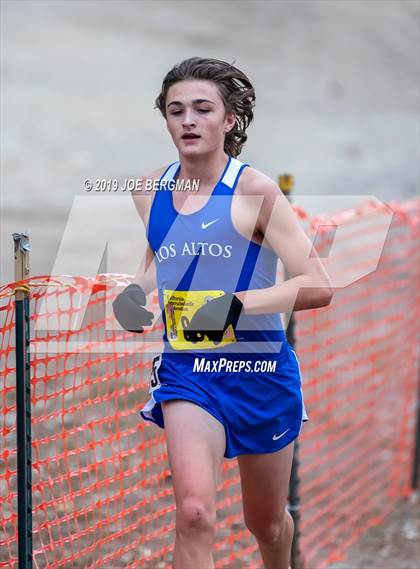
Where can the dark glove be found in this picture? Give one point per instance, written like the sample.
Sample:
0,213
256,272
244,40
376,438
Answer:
129,309
213,318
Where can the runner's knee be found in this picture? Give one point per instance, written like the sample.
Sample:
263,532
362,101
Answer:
193,514
270,531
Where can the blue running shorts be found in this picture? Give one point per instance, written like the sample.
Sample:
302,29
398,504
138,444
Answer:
261,411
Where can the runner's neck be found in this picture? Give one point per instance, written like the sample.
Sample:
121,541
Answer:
207,169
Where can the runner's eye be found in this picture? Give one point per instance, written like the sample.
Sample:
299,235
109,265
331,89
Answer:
203,110
175,113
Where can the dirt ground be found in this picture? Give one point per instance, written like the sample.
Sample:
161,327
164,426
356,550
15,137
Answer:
394,545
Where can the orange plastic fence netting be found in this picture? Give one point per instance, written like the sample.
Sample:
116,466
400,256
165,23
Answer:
102,494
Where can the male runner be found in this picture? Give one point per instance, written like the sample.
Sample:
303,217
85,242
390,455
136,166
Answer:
213,256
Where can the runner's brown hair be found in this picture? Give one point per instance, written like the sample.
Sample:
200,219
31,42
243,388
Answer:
235,88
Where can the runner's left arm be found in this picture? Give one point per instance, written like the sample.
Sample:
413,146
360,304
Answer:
309,285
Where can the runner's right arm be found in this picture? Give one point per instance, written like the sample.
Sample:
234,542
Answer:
146,273
130,305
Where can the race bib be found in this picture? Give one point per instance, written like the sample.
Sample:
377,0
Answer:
180,307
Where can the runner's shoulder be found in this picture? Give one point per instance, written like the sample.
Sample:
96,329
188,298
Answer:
253,182
143,199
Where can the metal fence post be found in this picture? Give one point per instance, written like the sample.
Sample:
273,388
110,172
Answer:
416,457
286,183
23,402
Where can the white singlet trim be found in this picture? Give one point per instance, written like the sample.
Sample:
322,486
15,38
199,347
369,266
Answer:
231,173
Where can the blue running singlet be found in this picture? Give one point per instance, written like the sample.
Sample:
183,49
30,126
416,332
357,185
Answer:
251,382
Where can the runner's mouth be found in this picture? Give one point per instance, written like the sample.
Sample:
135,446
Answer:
190,136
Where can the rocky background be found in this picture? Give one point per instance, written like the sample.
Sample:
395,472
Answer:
337,86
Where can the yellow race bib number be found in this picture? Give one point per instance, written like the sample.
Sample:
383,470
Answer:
180,307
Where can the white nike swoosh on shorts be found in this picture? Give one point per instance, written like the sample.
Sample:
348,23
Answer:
276,437
205,225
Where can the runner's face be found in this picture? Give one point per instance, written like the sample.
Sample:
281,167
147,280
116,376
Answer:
195,107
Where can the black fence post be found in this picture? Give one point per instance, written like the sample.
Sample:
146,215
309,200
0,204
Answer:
286,183
416,457
23,402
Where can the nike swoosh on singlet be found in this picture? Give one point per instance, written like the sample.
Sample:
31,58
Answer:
205,225
276,437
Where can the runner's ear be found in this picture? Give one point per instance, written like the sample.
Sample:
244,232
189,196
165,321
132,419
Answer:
230,119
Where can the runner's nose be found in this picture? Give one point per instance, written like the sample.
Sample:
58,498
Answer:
189,119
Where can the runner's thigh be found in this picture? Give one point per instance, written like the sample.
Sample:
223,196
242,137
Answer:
265,485
196,445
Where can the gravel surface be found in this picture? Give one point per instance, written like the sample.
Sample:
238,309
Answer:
394,545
